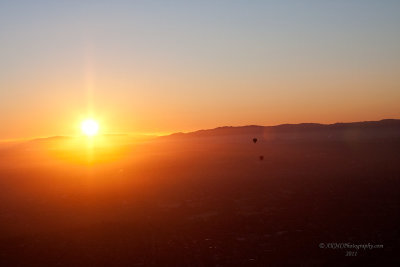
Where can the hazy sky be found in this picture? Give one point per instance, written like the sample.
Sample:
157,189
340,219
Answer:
166,66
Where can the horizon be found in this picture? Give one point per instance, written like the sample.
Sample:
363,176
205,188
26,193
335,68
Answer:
156,135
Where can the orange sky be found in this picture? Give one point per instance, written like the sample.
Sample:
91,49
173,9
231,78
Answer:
156,68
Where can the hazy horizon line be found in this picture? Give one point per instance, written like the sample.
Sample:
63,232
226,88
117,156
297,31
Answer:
141,134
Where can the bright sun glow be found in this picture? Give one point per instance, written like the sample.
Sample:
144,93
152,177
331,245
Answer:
90,127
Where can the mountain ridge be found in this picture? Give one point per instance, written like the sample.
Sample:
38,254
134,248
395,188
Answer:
384,124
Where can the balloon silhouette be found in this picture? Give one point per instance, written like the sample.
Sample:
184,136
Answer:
255,140
261,157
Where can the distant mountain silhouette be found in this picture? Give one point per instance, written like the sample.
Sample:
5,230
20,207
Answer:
366,129
373,129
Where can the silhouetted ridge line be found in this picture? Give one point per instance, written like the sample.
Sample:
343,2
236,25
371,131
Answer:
256,130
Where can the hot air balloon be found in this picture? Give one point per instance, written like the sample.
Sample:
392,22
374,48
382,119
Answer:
255,140
261,157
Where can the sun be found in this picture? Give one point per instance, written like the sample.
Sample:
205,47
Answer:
90,127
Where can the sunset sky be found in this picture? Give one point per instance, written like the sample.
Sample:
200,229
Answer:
169,66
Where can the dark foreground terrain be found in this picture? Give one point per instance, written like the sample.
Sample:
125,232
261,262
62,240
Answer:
207,199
